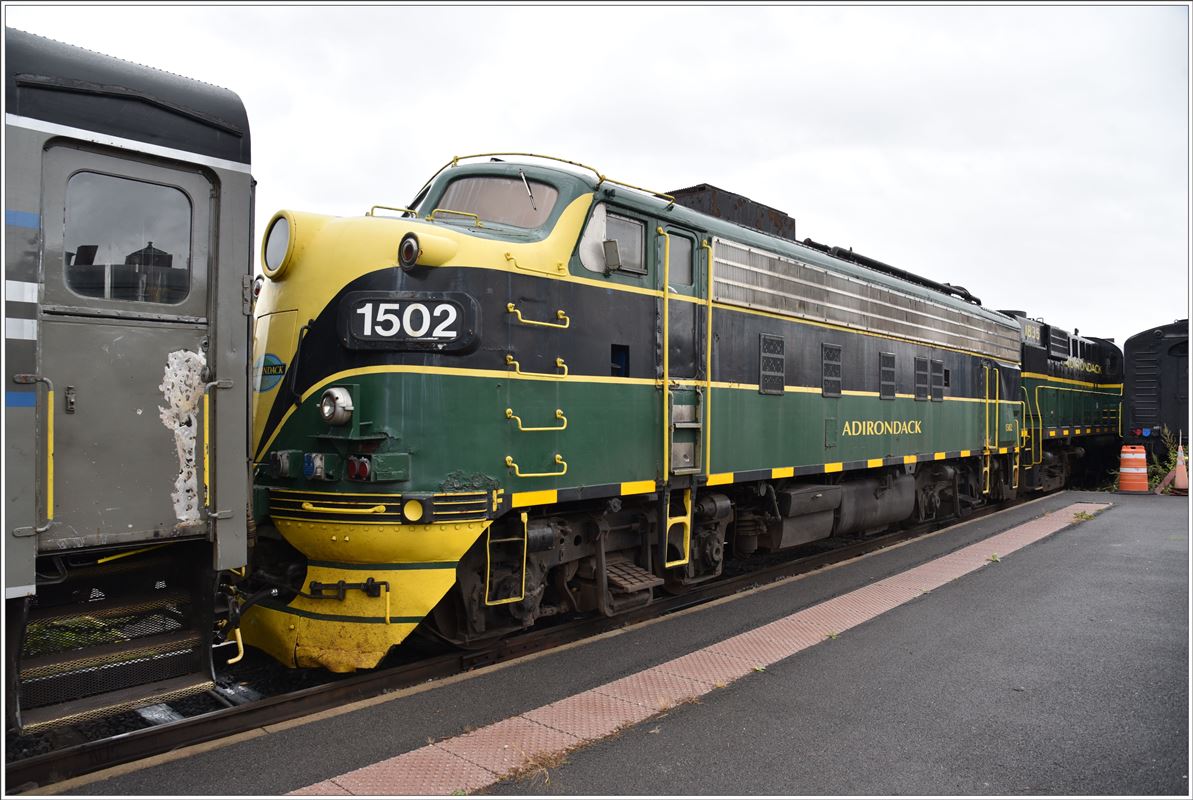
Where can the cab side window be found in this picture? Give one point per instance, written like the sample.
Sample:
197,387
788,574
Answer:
126,239
629,234
681,261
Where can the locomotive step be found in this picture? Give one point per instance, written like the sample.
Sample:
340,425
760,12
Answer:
102,705
164,600
73,674
627,577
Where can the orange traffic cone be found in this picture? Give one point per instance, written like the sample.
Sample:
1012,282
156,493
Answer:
1181,481
1179,477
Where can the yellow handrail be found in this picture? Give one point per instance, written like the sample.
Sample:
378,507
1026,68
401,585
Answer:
559,267
49,453
391,208
708,365
308,506
666,354
509,462
239,647
27,378
600,177
559,363
128,553
476,217
509,414
513,309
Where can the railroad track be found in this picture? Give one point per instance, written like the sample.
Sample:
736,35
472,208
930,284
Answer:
80,759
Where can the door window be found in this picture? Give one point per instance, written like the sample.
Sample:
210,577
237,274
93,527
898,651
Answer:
127,239
681,261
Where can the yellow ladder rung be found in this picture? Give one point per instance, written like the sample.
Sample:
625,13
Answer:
686,522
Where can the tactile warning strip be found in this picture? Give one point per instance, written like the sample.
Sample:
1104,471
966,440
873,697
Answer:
477,759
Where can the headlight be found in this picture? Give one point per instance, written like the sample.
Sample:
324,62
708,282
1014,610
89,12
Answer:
336,406
275,253
412,510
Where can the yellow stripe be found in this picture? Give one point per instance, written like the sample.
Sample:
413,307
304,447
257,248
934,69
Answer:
1002,450
909,459
1050,378
966,453
836,466
541,498
340,520
1052,433
50,456
720,478
275,490
782,472
874,462
800,321
1065,432
637,487
939,456
753,387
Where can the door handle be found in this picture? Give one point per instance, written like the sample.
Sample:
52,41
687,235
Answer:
207,505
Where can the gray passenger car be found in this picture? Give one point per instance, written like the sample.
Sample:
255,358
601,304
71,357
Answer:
127,286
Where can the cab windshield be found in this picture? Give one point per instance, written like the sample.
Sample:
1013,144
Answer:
515,201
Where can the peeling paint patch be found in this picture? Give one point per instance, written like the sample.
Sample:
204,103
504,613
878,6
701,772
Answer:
182,388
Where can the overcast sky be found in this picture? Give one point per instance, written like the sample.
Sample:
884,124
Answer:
1038,156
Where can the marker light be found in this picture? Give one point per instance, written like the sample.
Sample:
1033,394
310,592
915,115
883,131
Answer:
408,251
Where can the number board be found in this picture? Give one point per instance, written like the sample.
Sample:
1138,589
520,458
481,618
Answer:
434,321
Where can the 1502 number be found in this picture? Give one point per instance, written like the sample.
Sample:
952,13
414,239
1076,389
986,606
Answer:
414,320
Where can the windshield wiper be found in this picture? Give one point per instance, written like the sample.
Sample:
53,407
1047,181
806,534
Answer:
529,193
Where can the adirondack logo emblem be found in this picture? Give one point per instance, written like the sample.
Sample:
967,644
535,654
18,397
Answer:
268,372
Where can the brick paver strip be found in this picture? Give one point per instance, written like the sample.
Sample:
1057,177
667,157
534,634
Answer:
655,689
474,760
760,648
708,667
427,770
324,789
589,715
509,745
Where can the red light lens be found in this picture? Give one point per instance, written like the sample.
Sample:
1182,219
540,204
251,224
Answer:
353,468
364,469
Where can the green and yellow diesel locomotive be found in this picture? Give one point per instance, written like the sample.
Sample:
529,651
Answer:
539,391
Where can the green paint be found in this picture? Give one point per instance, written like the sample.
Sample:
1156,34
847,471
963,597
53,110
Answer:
755,431
457,436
